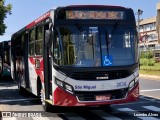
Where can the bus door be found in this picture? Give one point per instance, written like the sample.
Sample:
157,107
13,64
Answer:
47,61
20,60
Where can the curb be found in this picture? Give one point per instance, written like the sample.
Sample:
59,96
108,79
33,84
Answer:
149,76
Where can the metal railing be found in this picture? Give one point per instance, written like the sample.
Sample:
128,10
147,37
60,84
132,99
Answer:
150,48
156,48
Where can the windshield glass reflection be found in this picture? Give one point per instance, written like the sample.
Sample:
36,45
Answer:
94,46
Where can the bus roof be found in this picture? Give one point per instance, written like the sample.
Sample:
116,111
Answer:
41,18
44,16
33,23
93,6
47,14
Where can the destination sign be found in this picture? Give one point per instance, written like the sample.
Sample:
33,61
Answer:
85,14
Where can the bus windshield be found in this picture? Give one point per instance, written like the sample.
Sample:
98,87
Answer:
95,46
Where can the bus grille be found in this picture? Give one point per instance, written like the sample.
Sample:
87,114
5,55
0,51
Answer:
93,75
91,95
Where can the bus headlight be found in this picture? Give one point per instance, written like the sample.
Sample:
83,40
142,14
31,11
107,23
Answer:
58,82
131,85
69,88
137,79
133,82
64,85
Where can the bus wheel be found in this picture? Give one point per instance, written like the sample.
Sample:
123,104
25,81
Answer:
46,106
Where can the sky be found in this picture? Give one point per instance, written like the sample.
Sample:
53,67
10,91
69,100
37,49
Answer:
26,11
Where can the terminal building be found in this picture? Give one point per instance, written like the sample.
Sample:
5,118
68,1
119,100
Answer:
150,34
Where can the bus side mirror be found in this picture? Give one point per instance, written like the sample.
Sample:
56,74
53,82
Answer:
48,35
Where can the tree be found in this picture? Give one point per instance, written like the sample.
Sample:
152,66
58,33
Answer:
4,10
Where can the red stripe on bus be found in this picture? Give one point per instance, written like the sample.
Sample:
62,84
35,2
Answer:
46,15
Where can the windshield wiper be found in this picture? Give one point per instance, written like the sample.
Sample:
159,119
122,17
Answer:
116,25
60,42
78,27
107,42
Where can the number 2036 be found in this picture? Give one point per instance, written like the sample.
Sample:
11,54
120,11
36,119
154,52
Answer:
121,84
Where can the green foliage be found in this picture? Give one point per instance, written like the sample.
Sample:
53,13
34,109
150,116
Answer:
146,54
148,72
147,62
4,10
149,66
151,62
156,67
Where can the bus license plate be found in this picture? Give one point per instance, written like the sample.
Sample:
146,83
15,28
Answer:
103,97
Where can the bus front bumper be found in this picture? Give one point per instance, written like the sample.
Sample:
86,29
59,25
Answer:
63,98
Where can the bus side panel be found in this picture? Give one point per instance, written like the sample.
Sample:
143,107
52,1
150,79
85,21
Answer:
32,75
35,70
39,68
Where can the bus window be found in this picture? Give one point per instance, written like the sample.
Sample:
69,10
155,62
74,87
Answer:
127,39
22,45
31,42
38,41
57,50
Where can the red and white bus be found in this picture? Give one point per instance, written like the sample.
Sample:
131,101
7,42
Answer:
81,55
5,72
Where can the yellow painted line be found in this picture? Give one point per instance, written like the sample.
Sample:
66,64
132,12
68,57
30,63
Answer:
49,101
